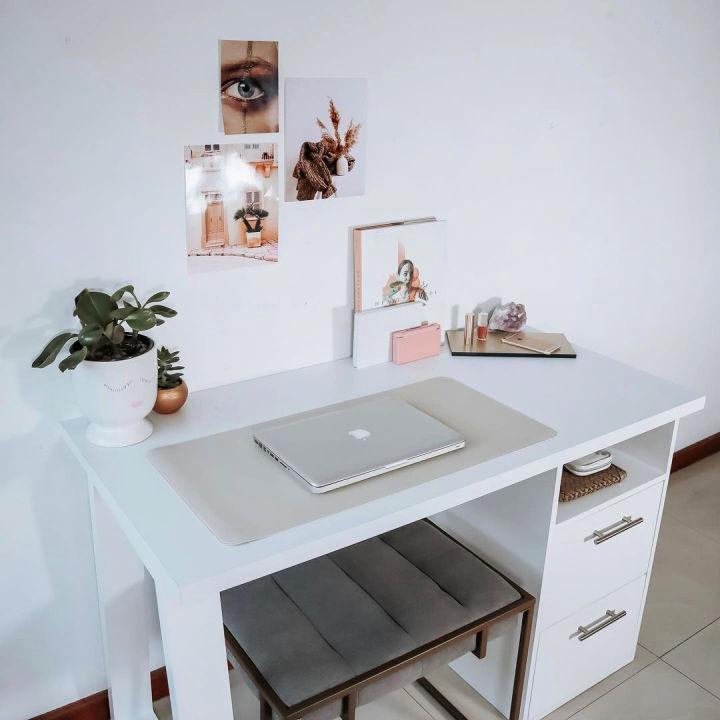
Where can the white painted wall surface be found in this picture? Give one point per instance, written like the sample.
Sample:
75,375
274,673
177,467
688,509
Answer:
572,146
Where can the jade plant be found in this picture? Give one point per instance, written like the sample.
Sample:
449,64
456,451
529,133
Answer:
168,375
110,327
251,214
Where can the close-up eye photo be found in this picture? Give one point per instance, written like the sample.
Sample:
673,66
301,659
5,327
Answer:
244,89
249,86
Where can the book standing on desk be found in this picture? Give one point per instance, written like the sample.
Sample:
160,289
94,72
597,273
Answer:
399,275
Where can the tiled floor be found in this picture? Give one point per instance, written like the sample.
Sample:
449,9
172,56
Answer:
399,705
676,671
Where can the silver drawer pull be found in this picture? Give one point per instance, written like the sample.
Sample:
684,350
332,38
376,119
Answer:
615,529
607,619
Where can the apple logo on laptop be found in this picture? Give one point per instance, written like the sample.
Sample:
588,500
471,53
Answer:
359,434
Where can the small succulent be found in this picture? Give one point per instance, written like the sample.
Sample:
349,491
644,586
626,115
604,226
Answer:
102,334
168,375
251,213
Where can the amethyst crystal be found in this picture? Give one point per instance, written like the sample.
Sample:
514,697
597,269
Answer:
511,316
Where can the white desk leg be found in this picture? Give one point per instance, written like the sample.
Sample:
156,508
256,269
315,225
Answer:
195,657
125,591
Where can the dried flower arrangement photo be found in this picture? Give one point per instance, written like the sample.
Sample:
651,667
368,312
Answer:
337,147
324,138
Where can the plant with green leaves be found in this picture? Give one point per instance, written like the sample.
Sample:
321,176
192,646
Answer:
251,213
103,335
168,375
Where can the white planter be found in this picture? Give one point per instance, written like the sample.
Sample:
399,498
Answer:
342,166
254,239
116,396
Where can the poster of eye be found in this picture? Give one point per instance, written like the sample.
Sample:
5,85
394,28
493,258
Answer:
325,137
249,86
231,205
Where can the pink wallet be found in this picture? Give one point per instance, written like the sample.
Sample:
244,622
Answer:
415,343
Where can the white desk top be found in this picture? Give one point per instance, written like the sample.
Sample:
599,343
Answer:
591,402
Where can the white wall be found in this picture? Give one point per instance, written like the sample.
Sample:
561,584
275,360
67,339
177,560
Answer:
573,146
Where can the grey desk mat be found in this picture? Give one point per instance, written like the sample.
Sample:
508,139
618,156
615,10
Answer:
241,494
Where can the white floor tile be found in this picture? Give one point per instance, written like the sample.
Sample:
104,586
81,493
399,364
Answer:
399,705
162,709
657,692
699,658
643,658
684,593
450,684
394,706
694,496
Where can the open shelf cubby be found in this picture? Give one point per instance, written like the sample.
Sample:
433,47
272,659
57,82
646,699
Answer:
639,475
645,460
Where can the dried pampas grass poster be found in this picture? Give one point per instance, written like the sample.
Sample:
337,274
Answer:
325,135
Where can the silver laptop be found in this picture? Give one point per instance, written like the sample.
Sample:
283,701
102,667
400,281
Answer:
331,448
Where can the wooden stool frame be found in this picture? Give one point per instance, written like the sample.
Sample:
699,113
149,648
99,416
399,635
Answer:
347,692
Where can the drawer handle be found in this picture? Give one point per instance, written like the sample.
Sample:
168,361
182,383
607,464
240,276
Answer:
606,620
615,529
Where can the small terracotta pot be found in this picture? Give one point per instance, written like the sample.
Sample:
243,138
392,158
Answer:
170,400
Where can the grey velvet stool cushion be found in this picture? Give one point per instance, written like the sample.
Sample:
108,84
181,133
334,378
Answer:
319,624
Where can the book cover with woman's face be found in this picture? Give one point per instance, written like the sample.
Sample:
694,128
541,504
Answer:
400,264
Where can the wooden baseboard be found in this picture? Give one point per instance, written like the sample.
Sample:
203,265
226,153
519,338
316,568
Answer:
697,451
96,707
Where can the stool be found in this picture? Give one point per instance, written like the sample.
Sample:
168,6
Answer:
321,638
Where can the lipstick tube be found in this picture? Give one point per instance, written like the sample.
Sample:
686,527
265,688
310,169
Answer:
469,328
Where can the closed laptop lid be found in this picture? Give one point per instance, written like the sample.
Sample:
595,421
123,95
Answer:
332,446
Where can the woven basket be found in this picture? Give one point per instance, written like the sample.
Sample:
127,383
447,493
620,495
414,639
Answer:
573,487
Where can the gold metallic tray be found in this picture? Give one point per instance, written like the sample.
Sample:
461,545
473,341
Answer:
494,347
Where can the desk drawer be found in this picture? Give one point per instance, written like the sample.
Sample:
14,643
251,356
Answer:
583,567
568,665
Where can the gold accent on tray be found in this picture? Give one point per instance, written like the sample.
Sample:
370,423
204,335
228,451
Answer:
494,347
573,487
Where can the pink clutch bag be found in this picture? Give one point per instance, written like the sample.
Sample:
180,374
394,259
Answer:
415,343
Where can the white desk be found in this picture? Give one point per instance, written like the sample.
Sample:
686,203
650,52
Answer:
143,531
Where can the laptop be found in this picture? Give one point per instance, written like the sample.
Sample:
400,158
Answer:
328,449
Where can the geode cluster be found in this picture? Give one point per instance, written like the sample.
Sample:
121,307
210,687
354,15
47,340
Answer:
510,316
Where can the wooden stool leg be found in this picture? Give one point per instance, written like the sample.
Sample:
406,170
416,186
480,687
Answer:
439,698
265,710
522,656
349,705
480,650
